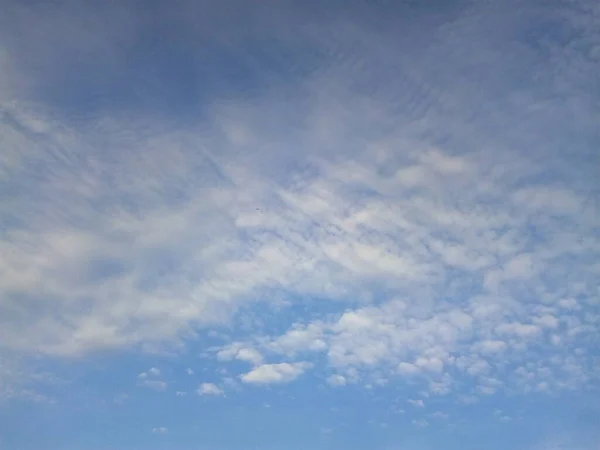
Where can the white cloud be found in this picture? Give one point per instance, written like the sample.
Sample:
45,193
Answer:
239,352
405,368
189,371
160,430
299,339
518,329
420,423
337,380
430,364
489,347
209,389
155,385
479,367
442,239
546,321
440,415
569,303
275,373
418,403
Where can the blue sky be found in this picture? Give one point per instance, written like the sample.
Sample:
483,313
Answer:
288,225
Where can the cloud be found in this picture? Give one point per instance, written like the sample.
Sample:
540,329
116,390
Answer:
337,380
418,403
155,385
518,329
209,389
239,352
451,238
405,368
420,423
488,347
160,430
440,415
275,373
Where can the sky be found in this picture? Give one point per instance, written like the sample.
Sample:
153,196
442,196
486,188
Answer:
236,225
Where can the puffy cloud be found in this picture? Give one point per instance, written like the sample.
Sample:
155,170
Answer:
275,373
209,389
418,403
518,329
405,368
488,347
430,364
337,380
546,321
240,352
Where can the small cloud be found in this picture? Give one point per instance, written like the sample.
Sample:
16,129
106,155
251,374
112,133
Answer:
518,329
142,376
486,390
154,371
546,321
275,373
490,347
231,382
418,403
121,398
440,415
468,399
249,355
542,387
189,371
430,364
569,303
209,389
405,368
479,367
240,352
421,423
155,385
180,393
160,430
337,380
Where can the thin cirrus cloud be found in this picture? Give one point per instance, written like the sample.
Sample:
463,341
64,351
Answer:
372,197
